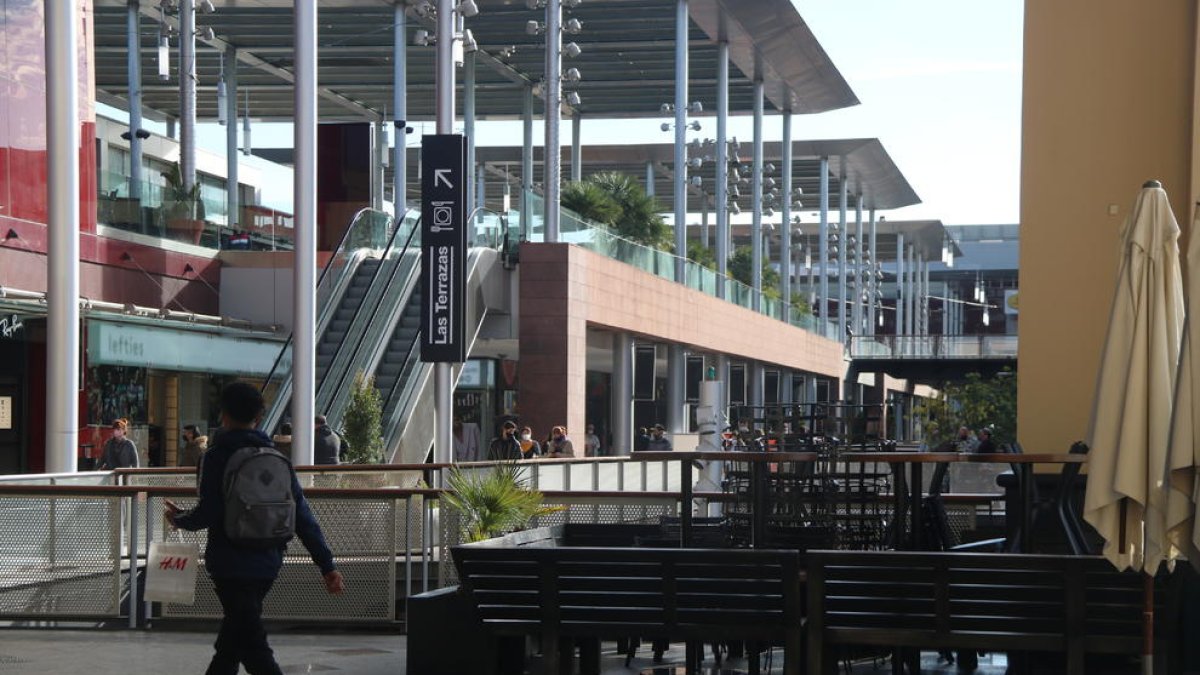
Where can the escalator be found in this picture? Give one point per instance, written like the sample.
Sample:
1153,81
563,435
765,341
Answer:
373,327
341,289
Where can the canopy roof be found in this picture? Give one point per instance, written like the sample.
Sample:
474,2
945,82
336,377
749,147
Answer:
627,59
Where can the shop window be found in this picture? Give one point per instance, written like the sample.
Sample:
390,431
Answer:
114,392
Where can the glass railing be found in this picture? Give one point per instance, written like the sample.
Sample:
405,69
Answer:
574,229
146,208
935,347
367,231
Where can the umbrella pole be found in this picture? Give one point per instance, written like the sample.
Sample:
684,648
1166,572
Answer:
1148,624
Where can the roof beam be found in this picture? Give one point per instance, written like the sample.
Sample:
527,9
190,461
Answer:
250,59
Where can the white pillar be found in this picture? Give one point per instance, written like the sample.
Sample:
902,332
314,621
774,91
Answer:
823,242
901,300
756,189
873,286
304,358
722,186
232,195
552,150
443,385
400,110
785,245
527,164
622,394
859,282
577,147
187,92
469,198
62,186
843,244
133,62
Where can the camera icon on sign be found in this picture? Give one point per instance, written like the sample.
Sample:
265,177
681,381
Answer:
443,217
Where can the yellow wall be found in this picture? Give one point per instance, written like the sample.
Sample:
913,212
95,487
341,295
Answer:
1107,104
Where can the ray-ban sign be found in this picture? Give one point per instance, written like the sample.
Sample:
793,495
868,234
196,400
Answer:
443,249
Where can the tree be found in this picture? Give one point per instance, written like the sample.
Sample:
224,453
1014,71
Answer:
800,304
591,201
976,402
702,255
637,217
491,503
363,422
739,269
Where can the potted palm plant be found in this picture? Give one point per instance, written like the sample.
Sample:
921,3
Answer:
493,502
182,211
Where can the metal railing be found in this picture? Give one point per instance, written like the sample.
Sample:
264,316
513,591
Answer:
76,545
934,347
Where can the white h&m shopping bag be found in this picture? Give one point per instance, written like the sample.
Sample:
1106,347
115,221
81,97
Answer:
171,572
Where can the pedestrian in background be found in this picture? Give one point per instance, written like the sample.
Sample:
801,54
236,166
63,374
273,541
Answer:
529,447
505,447
119,451
194,446
642,440
658,440
283,439
591,442
560,445
327,447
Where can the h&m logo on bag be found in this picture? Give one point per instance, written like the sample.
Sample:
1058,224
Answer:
172,562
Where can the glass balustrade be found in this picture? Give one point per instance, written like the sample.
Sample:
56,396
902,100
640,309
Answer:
146,207
574,229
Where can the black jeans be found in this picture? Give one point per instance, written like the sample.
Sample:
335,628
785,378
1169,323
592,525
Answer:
242,638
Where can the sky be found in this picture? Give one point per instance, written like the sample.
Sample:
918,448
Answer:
939,82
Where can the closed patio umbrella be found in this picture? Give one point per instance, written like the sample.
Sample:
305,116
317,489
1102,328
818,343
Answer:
1129,434
1183,456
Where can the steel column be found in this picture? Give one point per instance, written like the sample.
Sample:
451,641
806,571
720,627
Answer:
187,92
785,246
856,296
469,131
553,146
925,296
527,163
443,385
873,279
756,191
622,394
722,167
823,243
304,360
910,290
400,110
900,294
62,187
675,388
133,63
681,110
576,147
650,178
232,195
843,244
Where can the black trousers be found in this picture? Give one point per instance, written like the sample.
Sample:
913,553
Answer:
242,638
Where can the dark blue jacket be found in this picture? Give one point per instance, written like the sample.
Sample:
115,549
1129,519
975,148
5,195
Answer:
222,558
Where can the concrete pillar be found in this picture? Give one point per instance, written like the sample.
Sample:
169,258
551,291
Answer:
622,394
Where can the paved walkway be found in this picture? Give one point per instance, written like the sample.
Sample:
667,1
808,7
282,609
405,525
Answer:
121,652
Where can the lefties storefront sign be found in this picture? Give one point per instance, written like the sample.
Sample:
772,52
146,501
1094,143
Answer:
443,248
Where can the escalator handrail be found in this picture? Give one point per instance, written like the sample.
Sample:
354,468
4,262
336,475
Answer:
413,346
358,343
321,279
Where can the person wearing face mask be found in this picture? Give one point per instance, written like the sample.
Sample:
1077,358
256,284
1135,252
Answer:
505,446
591,442
658,440
119,451
529,447
560,445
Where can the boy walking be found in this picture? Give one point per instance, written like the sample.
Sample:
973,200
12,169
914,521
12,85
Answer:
242,575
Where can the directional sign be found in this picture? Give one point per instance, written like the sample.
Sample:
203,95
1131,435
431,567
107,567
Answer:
443,248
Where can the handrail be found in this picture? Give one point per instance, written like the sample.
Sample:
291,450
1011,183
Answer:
321,278
338,394
395,423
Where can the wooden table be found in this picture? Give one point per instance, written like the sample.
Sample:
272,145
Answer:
1022,464
758,495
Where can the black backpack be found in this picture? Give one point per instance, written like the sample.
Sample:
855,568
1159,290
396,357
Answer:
260,509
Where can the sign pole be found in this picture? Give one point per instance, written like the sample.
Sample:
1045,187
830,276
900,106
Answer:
443,388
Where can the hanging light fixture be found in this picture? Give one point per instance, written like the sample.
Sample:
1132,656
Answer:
222,97
246,127
164,51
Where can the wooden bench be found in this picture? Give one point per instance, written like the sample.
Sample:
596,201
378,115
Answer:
699,595
1074,605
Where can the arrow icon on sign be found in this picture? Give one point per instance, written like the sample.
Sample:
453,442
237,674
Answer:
442,175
